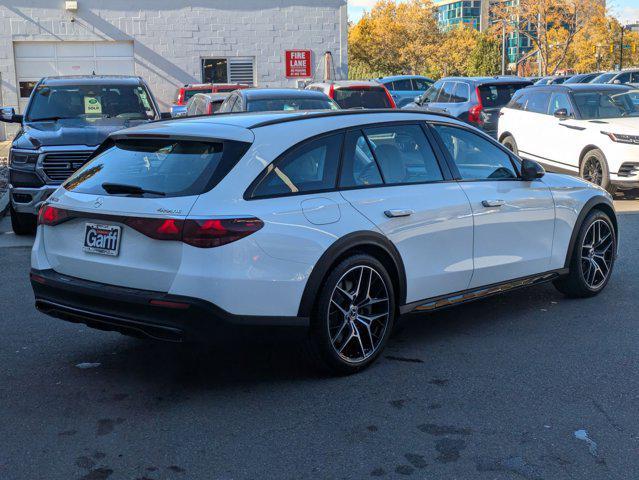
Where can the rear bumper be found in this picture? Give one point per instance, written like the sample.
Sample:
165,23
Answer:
145,313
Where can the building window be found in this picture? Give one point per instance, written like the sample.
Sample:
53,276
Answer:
25,89
228,70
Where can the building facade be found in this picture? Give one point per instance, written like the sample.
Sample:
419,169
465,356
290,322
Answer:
167,42
476,14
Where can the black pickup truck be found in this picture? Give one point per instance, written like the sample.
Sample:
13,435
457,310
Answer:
66,119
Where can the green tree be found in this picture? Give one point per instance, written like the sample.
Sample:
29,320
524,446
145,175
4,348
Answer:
485,58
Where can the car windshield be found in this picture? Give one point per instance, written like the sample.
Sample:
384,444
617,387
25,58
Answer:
278,104
607,104
169,168
90,102
362,97
494,96
603,78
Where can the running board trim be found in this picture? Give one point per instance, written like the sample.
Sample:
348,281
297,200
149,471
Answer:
449,300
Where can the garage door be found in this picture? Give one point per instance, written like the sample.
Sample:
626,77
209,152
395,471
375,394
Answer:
35,60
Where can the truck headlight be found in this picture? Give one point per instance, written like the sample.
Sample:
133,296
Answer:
18,157
623,138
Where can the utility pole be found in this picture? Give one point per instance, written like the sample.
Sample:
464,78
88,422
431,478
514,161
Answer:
503,48
621,49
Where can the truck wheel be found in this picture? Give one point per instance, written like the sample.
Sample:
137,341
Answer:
22,223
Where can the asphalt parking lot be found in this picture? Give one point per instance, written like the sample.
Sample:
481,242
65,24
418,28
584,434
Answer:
528,385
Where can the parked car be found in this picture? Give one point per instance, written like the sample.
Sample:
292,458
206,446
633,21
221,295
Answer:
583,77
356,93
204,104
584,129
475,100
334,222
185,93
404,88
275,99
64,122
553,80
628,77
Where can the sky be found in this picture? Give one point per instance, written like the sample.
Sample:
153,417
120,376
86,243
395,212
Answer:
625,10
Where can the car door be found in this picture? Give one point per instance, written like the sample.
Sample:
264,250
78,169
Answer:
430,95
563,137
513,220
391,175
442,104
534,124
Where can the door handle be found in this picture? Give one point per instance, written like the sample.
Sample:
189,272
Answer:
399,213
492,203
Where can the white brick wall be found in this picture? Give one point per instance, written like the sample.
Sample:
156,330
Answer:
171,36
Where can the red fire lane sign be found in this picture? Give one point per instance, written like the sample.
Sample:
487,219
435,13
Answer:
298,63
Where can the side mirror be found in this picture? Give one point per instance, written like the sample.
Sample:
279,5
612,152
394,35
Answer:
165,115
616,82
8,114
531,170
418,100
561,114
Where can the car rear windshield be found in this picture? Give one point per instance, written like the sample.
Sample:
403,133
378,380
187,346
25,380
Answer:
165,168
90,102
278,104
497,96
361,97
191,93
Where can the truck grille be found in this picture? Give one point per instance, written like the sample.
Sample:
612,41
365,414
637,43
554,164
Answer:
60,165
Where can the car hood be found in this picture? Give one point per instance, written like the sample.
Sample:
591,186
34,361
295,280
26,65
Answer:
629,125
73,131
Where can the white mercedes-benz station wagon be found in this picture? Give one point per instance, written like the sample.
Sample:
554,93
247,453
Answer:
336,222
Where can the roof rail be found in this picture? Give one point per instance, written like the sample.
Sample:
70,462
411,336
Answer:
339,113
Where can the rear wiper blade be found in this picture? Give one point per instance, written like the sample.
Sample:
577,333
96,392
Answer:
115,188
49,119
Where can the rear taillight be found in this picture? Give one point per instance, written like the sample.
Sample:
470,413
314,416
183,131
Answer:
205,233
217,232
50,215
180,97
474,113
157,228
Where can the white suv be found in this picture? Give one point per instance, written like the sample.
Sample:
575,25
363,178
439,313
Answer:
589,130
334,222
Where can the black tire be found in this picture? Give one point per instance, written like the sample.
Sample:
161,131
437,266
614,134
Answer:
577,283
23,223
594,168
509,142
331,326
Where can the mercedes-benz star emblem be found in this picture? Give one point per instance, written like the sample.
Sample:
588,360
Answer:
97,203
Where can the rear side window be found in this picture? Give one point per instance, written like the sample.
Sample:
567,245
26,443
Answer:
359,167
164,168
402,85
496,96
476,158
461,94
361,97
446,95
538,102
403,154
518,102
310,167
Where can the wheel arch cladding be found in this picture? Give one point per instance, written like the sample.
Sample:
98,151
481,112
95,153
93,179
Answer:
598,202
371,243
585,150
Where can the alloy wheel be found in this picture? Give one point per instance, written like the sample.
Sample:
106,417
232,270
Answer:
358,314
597,254
593,171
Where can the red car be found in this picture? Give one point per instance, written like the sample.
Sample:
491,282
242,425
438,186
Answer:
356,93
187,91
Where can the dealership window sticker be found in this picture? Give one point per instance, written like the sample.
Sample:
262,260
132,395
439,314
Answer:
92,105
